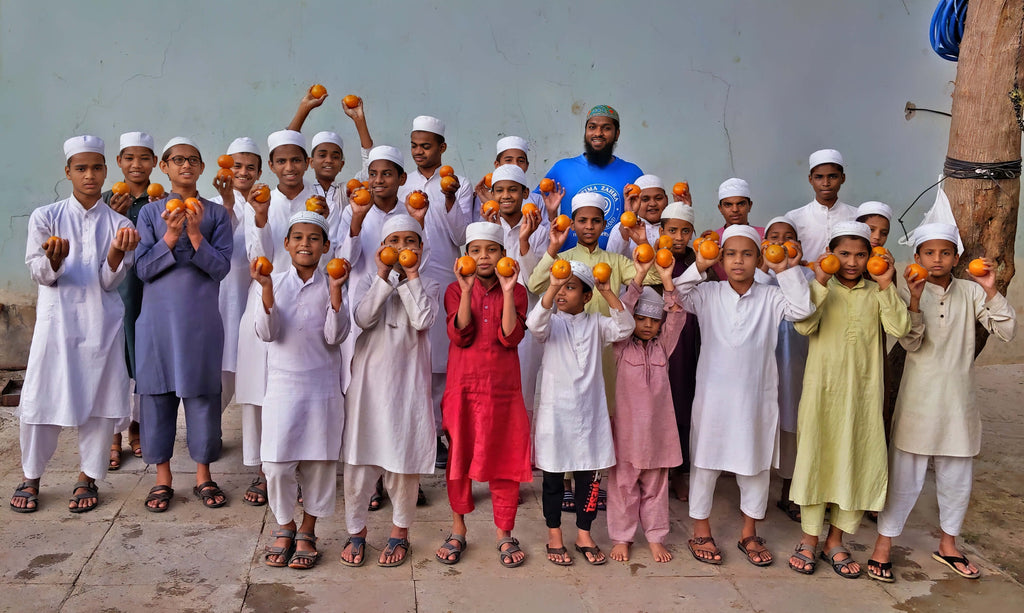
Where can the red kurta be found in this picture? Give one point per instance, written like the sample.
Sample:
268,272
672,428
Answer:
482,408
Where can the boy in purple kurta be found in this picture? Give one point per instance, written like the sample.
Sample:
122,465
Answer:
183,255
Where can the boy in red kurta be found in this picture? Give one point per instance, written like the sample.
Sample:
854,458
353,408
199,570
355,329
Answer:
482,408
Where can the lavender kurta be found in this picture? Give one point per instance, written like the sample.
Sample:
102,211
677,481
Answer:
179,337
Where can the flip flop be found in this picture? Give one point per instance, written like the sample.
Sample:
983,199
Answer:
258,491
701,540
21,493
457,552
881,567
559,551
358,549
742,545
592,551
208,492
952,561
513,548
284,552
312,556
389,549
807,560
838,565
91,491
160,493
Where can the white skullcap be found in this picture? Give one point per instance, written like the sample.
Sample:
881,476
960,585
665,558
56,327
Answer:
582,272
513,142
583,199
680,211
485,231
136,139
400,223
933,231
741,230
825,156
875,208
243,144
327,137
650,304
779,219
508,172
179,140
851,228
649,181
83,144
286,137
386,152
426,123
308,217
733,187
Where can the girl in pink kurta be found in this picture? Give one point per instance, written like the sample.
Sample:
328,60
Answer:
644,424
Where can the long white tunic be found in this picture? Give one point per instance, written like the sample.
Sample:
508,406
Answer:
572,430
813,223
390,421
76,367
735,418
303,410
234,288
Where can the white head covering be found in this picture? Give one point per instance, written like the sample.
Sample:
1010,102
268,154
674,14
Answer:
286,137
485,231
582,272
508,172
649,181
678,210
83,144
875,208
933,231
650,304
512,142
179,140
741,230
401,223
426,123
386,152
136,139
733,187
243,144
851,228
779,219
327,137
308,217
583,199
825,156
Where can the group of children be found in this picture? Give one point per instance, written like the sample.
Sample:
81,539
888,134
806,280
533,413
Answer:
317,306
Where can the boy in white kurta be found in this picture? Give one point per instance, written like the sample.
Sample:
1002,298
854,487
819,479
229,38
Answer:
935,418
647,206
389,424
735,422
304,319
78,252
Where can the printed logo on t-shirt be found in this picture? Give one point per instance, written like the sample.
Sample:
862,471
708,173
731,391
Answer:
611,197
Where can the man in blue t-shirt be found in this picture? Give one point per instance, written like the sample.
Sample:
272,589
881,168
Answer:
596,170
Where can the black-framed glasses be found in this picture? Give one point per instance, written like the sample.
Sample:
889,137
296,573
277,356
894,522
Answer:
179,160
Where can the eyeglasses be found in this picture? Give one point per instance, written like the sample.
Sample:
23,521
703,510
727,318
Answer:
179,160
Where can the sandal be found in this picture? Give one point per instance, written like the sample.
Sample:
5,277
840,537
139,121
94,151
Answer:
421,498
256,490
115,457
208,492
759,553
136,447
808,561
602,500
22,493
876,570
513,548
358,544
91,491
377,500
389,549
952,561
559,551
568,502
838,565
160,493
791,509
284,552
452,550
703,540
594,551
310,557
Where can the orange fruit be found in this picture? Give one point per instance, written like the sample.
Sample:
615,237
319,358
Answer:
361,197
488,208
628,219
261,194
562,223
602,272
487,180
192,204
713,236
812,264
467,265
263,266
225,174
697,241
225,161
353,185
530,208
879,251
408,258
830,265
173,205
664,258
547,185
877,265
448,183
644,253
446,171
916,272
351,101
977,267
774,253
561,269
155,190
317,91
417,200
708,250
53,239
681,188
506,267
388,256
664,241
365,184
313,203
631,190
338,267
790,248
120,188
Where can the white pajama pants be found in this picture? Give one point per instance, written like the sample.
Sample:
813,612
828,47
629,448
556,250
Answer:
39,441
319,482
953,480
753,492
252,433
360,482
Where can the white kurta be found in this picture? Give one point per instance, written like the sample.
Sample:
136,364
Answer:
390,421
76,363
935,412
735,418
235,287
572,430
813,223
304,410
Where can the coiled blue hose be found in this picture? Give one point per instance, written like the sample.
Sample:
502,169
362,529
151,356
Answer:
947,28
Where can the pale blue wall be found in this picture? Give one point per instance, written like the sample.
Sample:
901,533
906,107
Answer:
706,89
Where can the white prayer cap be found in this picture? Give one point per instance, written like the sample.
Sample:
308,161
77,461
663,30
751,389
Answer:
286,137
742,230
508,172
875,208
179,140
678,210
649,181
243,144
733,187
83,144
582,272
308,217
851,228
136,139
650,304
386,152
426,123
400,223
485,231
513,142
934,231
825,156
779,219
327,137
583,199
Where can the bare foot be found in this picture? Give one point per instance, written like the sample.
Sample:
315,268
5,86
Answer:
658,551
620,552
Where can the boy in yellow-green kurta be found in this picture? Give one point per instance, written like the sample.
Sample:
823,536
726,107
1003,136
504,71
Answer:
841,452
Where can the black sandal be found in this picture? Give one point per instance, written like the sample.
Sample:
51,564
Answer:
284,552
312,557
594,551
377,500
791,509
421,498
208,492
160,493
91,491
876,570
22,493
513,548
256,490
568,502
452,550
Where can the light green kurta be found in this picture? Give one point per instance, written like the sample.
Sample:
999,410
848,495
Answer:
841,454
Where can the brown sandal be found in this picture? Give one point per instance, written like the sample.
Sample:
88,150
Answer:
701,540
115,458
750,553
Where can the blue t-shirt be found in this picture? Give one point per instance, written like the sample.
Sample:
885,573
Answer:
577,175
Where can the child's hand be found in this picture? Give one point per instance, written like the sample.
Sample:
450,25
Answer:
359,210
556,283
508,284
260,208
263,280
193,218
883,280
355,113
411,272
419,215
914,284
529,225
557,239
632,202
641,267
465,282
494,216
603,287
335,284
798,258
226,190
638,233
987,280
686,198
175,224
553,200
454,189
308,102
125,239
482,191
121,202
704,263
322,209
56,251
778,267
820,275
383,270
664,272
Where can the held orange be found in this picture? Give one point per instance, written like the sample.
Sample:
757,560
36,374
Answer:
487,180
681,189
530,208
489,208
192,204
977,267
225,174
225,161
664,258
53,239
774,253
449,183
697,243
877,265
313,204
547,185
353,185
261,194
708,249
830,265
505,267
790,248
173,205
388,256
263,266
631,190
765,243
365,184
318,91
351,101
916,272
628,219
120,188
713,236
467,265
644,253
155,190
561,269
361,197
664,241
338,267
408,258
562,223
417,200
602,272
879,251
445,171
